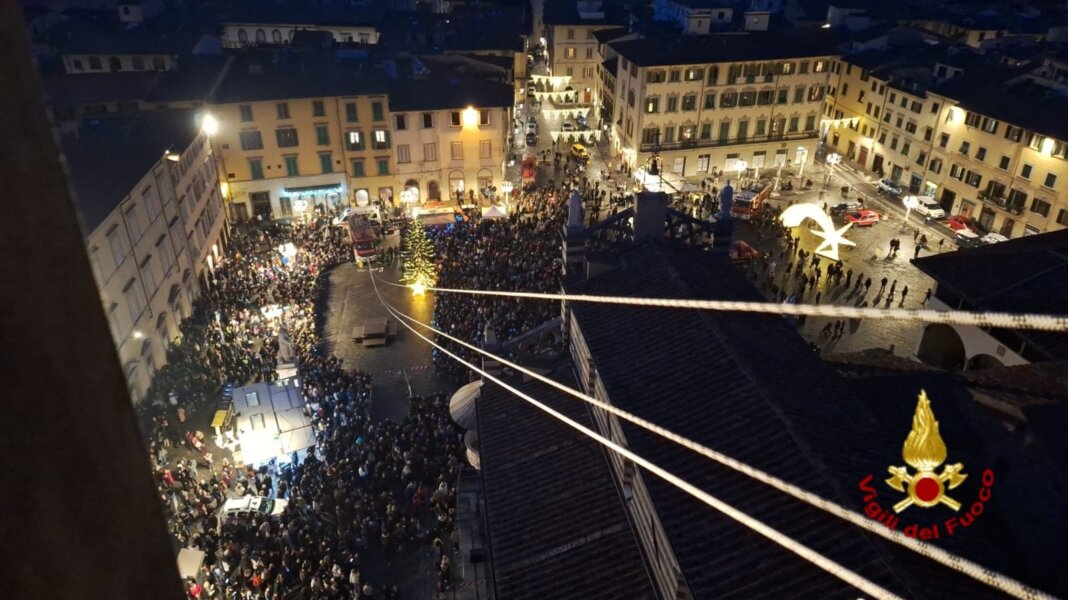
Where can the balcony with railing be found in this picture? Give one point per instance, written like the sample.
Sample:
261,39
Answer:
730,141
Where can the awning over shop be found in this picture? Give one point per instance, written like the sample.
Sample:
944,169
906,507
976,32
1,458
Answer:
314,189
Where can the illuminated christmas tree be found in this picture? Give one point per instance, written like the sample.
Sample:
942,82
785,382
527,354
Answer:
420,270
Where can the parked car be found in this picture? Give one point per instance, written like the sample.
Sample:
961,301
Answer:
532,128
532,121
569,126
846,207
582,122
961,223
966,238
993,238
957,223
579,151
532,139
245,507
929,208
888,187
863,218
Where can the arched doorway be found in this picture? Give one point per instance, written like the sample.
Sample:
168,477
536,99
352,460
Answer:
433,191
983,361
941,347
362,198
410,193
261,36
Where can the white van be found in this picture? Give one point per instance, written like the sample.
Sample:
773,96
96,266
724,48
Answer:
245,507
929,208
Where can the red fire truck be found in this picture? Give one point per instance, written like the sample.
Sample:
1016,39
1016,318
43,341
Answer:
364,239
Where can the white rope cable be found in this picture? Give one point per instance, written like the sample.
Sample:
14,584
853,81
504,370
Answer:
926,315
979,573
828,565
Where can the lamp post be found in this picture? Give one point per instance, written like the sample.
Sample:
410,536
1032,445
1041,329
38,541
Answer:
832,160
741,166
910,203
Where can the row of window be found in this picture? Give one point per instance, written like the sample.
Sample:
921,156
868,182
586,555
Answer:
749,72
352,113
732,99
763,127
456,151
426,120
287,137
326,165
137,63
400,121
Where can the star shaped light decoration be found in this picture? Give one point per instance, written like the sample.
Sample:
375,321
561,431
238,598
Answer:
832,238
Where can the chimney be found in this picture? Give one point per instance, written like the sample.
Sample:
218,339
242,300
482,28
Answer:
650,209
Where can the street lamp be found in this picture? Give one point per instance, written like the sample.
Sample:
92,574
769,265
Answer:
832,160
209,125
910,203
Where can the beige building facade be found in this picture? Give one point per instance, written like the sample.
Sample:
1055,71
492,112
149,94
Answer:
283,158
707,117
942,144
154,245
444,154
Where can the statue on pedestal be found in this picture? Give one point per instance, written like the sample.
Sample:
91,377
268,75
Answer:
574,209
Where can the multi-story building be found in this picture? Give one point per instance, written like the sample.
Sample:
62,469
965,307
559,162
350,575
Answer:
300,136
979,137
879,117
451,137
148,194
264,24
571,45
1005,154
709,102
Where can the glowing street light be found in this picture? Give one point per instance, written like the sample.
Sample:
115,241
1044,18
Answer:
209,125
418,290
832,161
910,203
741,166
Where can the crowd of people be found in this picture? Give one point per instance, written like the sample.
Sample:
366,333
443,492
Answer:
521,252
364,494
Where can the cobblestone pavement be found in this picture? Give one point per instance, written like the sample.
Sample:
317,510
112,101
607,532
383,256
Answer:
869,257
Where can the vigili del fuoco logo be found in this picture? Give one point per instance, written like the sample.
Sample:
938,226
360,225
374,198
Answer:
926,487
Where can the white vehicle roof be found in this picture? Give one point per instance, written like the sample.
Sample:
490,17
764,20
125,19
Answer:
967,233
993,238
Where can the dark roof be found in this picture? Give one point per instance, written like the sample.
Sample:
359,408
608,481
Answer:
441,93
555,518
1024,104
132,42
565,12
748,386
302,75
604,36
110,155
726,47
474,28
1026,274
